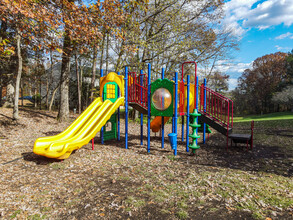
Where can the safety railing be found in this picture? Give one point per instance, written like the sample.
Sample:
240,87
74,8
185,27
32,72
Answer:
216,106
137,89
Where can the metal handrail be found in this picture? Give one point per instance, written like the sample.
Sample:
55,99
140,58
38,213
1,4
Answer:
217,106
137,88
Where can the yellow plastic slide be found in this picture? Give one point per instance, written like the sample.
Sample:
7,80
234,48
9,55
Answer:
80,132
156,124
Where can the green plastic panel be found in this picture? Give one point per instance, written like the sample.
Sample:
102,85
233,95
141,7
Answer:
110,129
110,91
168,85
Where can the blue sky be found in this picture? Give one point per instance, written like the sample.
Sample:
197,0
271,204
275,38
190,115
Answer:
262,27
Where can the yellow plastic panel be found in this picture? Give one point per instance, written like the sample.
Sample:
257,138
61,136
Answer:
112,77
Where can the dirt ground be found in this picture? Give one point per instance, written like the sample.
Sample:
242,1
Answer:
111,182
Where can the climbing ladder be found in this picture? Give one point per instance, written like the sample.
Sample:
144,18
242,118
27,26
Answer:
194,125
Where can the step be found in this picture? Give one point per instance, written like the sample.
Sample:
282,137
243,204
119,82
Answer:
194,136
195,114
139,108
240,138
195,125
217,126
193,147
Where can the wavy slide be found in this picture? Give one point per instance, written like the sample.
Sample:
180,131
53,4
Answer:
156,124
80,132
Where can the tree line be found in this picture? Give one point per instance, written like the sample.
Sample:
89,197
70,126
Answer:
267,86
86,36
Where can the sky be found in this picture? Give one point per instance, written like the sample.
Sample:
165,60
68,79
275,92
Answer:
262,27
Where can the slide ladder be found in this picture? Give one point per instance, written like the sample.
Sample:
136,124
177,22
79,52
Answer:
194,125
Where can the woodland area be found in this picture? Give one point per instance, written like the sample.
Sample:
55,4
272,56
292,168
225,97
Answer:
267,86
53,51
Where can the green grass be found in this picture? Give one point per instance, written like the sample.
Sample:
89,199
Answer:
266,117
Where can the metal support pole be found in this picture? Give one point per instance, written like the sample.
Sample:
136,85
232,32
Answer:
204,109
173,124
187,113
197,105
102,129
141,115
176,110
126,107
163,124
149,108
182,129
118,117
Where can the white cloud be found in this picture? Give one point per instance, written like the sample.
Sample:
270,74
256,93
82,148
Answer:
242,15
283,36
235,68
282,48
270,13
232,83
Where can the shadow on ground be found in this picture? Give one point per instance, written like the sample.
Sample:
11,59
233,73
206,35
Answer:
39,160
270,159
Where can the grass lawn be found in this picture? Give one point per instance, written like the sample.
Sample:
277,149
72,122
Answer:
266,117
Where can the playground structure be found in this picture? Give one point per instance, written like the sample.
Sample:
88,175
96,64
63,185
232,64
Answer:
162,98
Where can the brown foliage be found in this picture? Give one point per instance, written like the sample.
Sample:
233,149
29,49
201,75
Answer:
262,80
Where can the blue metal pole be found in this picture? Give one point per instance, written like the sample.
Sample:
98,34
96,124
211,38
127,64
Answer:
173,122
102,129
176,111
141,115
163,124
149,108
196,105
187,113
118,117
126,107
204,109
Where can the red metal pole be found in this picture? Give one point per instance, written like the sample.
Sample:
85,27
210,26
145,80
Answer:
93,142
252,127
232,114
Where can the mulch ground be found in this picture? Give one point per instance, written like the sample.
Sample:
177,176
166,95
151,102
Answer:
112,182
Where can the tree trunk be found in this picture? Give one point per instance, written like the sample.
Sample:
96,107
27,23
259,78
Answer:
1,89
118,65
107,54
9,96
78,84
21,84
35,93
47,91
3,30
53,97
94,73
18,77
40,90
50,80
63,113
